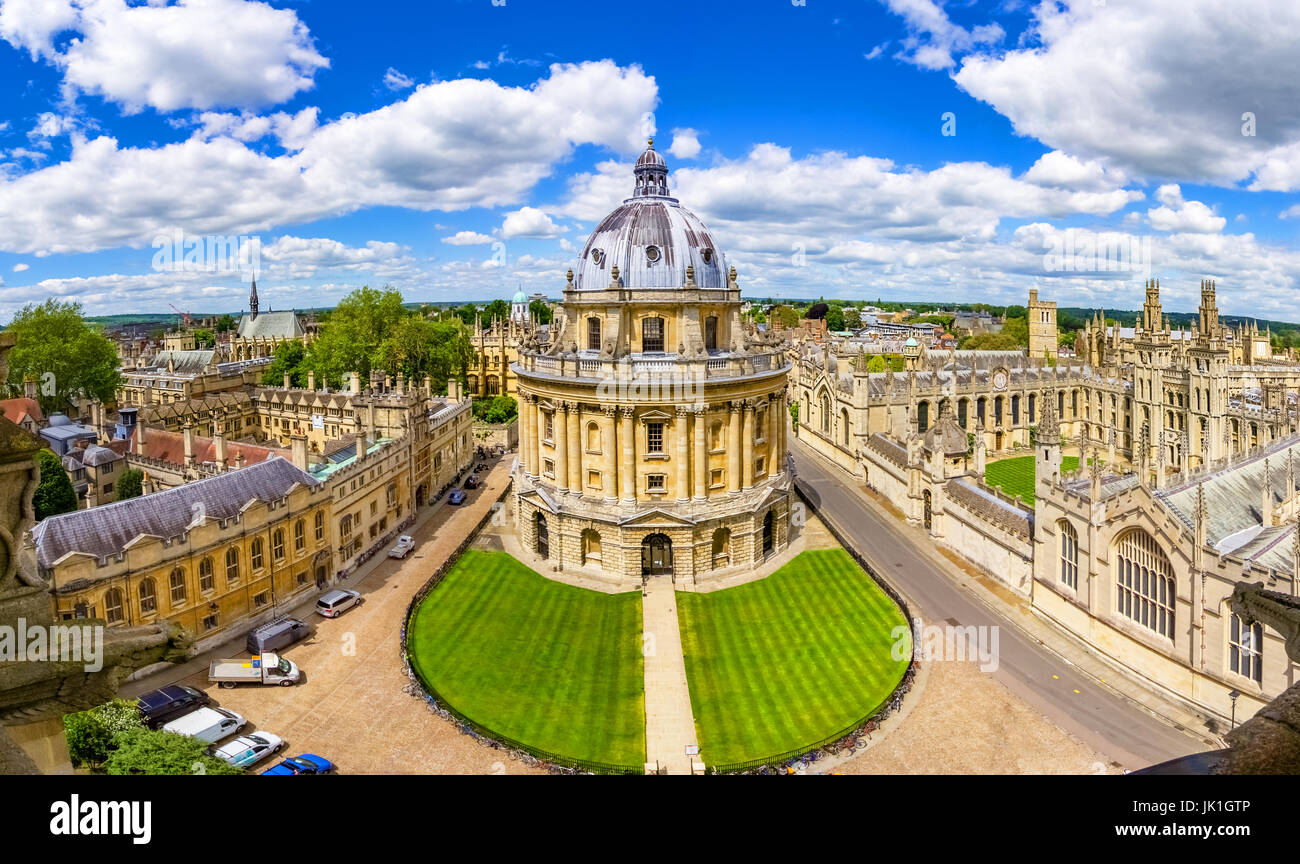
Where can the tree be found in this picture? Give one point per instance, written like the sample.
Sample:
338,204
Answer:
145,751
498,409
204,338
54,493
1015,311
498,309
541,310
90,733
69,357
835,318
131,484
289,357
467,314
361,322
419,346
852,319
876,364
788,317
225,324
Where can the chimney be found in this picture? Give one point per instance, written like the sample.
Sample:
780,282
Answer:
287,385
428,386
452,396
239,459
354,384
401,384
139,440
298,445
29,387
219,441
311,380
361,444
189,445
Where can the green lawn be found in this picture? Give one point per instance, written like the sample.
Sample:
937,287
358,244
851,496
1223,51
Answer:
783,662
1016,475
549,665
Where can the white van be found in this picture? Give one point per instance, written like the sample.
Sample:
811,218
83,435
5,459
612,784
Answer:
207,724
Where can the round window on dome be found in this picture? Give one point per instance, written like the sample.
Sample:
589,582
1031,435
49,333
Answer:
597,257
652,254
707,255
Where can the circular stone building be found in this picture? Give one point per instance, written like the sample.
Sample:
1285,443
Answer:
652,428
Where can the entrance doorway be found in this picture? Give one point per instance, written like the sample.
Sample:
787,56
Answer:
767,534
543,538
657,555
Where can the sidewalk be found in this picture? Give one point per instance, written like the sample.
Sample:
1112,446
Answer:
669,721
1001,600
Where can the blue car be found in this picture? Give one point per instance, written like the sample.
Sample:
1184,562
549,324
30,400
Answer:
457,496
305,763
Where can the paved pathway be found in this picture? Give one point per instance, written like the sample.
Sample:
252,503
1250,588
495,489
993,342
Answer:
669,722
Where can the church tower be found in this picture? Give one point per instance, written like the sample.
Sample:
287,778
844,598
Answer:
1153,354
252,302
1042,327
1207,365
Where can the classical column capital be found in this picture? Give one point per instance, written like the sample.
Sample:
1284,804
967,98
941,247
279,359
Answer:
626,412
609,410
735,406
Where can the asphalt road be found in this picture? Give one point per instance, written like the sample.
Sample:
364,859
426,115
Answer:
1100,718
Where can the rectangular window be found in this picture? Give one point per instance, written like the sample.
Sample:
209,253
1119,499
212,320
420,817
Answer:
261,599
654,437
549,434
548,467
652,335
654,482
1246,649
210,622
593,334
715,478
593,479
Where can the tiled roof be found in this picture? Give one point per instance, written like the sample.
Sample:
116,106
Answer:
107,530
170,447
19,409
270,325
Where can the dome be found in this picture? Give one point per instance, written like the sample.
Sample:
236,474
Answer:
911,342
520,297
651,238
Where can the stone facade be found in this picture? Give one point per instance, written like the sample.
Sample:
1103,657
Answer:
652,426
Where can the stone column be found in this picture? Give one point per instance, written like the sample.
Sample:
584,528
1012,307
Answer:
747,446
701,421
773,437
683,459
627,444
733,447
561,445
534,436
609,453
525,415
575,449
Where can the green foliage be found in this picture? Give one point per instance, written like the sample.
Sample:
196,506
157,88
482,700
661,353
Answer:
204,338
788,317
145,751
835,318
1014,336
289,357
497,409
1016,311
794,414
54,493
69,357
363,320
541,310
852,319
131,484
498,309
90,733
876,364
419,346
226,323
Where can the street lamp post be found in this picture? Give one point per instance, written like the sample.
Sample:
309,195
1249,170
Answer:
1233,696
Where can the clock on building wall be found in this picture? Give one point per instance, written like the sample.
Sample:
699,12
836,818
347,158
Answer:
1000,379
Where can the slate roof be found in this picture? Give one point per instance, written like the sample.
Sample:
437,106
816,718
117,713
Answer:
182,362
270,325
107,530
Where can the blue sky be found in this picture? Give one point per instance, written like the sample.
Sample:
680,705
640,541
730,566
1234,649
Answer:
354,142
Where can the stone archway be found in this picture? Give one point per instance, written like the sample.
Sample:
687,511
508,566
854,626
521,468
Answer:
657,555
543,538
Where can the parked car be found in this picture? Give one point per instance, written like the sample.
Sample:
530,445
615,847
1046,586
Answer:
334,603
457,496
277,635
248,749
167,703
402,547
473,482
304,763
207,724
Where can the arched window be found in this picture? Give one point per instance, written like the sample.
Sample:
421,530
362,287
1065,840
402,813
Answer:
1145,589
320,525
1246,648
711,333
1069,550
255,553
963,407
148,597
113,606
205,575
1015,410
844,427
825,402
177,581
593,334
593,438
922,416
299,535
232,565
277,544
590,545
721,548
1033,407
